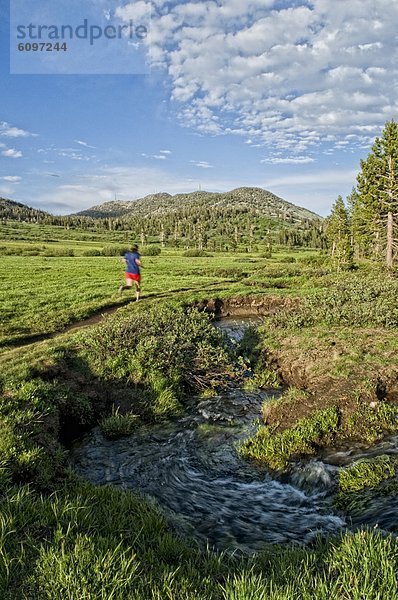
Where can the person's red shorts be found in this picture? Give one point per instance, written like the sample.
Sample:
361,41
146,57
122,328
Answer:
133,276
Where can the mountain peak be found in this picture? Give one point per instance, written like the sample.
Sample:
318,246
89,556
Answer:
262,202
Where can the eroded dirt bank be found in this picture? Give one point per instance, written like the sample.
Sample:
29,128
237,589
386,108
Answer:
242,306
350,369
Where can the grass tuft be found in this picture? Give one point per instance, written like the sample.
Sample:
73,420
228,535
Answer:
276,449
116,425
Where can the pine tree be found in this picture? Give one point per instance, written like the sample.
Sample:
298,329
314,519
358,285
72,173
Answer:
338,234
377,201
360,240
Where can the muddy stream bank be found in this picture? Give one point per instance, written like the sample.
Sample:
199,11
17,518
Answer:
191,468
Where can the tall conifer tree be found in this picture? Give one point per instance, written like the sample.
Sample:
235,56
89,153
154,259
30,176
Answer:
376,205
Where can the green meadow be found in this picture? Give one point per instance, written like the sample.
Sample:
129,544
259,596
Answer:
62,538
45,290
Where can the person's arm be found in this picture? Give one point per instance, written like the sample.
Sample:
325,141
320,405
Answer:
138,262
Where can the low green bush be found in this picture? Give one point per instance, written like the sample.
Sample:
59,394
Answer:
166,350
266,378
115,250
194,253
348,299
59,252
228,273
312,260
151,251
92,252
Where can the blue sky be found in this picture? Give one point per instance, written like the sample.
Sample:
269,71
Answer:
282,95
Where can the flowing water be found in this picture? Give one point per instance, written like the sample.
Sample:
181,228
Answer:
193,471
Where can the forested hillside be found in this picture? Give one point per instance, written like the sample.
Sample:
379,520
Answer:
213,221
16,211
244,217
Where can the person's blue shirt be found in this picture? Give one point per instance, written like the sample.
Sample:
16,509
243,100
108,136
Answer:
131,265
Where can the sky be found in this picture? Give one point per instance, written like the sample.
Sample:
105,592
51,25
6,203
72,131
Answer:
283,95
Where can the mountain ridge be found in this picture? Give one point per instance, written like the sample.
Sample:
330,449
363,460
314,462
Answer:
262,201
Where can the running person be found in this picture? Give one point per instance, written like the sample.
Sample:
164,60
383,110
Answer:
132,260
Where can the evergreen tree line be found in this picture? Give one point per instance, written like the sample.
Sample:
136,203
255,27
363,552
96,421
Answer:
205,228
366,226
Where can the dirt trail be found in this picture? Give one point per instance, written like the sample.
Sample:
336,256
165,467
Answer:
97,316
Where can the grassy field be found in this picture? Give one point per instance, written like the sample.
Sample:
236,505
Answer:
62,538
44,294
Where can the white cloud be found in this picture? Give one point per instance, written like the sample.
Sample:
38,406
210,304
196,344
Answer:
72,154
5,191
316,190
202,164
163,154
11,178
7,130
12,153
289,160
136,11
286,77
81,143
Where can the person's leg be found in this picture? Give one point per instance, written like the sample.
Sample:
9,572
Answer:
129,283
137,290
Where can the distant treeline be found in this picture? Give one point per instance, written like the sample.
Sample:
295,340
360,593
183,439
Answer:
213,228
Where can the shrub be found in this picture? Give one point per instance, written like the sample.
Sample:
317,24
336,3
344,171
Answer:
59,252
194,253
92,252
151,251
287,259
312,260
11,250
228,273
266,378
164,349
348,300
114,250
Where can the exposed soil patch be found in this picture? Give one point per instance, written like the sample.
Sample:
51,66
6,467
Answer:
348,372
243,306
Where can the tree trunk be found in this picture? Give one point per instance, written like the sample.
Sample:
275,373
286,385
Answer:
390,240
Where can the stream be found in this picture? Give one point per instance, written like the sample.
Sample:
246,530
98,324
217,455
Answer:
191,468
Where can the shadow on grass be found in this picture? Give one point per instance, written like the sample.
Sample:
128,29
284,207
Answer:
69,539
